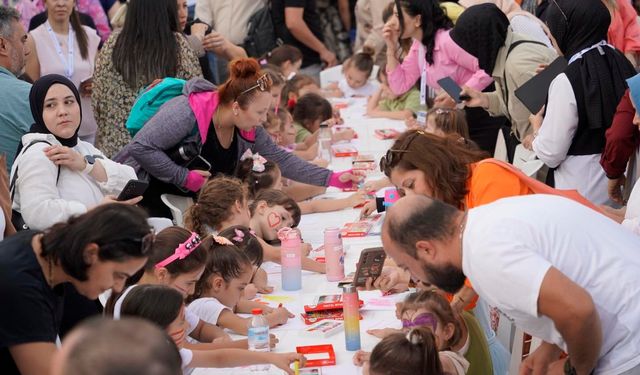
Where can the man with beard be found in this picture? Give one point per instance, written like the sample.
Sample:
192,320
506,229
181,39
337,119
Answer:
559,270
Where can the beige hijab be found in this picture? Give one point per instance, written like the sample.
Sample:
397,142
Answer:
508,7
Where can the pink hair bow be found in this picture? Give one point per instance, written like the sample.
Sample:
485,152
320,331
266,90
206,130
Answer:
239,237
182,251
258,161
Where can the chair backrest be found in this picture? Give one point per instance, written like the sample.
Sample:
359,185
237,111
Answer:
178,206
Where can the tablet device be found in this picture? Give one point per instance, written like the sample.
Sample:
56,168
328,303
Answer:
533,93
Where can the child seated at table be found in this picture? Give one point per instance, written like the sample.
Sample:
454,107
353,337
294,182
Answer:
416,350
384,103
280,127
458,333
260,174
287,58
181,274
355,81
227,273
297,87
310,111
224,202
277,84
165,307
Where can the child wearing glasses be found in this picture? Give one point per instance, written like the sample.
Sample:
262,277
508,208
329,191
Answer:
456,335
386,104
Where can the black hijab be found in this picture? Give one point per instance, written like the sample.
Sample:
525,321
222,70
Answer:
36,100
481,30
598,78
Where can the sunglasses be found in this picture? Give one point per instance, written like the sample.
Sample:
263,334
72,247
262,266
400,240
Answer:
421,320
261,84
393,156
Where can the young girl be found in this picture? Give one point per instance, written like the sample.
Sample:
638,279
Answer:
260,174
416,351
178,261
277,84
307,150
444,121
384,103
295,88
287,58
460,334
272,126
357,70
165,307
218,292
310,111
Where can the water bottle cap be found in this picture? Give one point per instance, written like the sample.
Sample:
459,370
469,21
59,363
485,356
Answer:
349,288
256,311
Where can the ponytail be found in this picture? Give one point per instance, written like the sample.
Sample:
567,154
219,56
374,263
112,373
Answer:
81,35
416,351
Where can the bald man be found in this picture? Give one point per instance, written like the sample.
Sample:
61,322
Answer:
557,269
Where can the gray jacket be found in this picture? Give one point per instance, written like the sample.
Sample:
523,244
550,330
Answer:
175,122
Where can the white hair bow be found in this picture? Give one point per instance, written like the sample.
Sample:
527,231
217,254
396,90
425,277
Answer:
258,161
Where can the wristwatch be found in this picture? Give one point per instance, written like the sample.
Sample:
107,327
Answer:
90,163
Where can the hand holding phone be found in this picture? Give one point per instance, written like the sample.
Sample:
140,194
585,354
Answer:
452,88
369,266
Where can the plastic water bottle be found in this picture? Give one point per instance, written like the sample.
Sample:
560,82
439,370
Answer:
333,254
291,259
351,306
258,335
324,142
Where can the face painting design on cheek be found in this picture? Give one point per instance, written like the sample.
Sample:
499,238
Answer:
274,220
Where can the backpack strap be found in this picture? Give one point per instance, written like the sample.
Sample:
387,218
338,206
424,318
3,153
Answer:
12,185
511,48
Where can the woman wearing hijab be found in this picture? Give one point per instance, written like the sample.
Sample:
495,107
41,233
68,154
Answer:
483,31
433,56
57,175
583,99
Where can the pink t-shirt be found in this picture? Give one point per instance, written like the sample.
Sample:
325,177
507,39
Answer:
449,60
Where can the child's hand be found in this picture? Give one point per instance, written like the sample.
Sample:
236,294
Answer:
284,360
377,185
250,292
361,357
279,316
412,123
273,341
368,209
344,135
382,333
306,249
357,198
260,281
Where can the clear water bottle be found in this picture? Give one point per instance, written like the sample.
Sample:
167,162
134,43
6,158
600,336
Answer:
324,142
258,335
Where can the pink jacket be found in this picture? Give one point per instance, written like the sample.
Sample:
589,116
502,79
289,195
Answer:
449,60
624,31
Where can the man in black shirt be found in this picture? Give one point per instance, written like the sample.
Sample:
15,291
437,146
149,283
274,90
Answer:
296,22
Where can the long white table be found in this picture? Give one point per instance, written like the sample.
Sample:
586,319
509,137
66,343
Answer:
378,312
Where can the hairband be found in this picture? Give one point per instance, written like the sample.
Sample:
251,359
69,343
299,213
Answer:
414,339
258,161
182,251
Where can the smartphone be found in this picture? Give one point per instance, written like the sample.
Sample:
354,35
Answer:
133,188
370,265
199,163
452,88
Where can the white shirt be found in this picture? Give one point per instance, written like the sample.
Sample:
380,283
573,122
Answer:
43,202
580,172
207,309
632,215
367,90
509,245
228,17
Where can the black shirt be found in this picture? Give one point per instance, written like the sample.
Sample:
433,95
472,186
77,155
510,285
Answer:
310,17
222,160
31,311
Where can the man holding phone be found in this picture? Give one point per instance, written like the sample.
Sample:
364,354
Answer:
557,269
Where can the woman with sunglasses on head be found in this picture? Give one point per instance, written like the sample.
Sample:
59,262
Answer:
222,123
88,254
57,175
582,100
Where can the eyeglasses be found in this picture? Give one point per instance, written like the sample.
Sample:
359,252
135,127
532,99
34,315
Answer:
261,84
561,11
393,156
421,320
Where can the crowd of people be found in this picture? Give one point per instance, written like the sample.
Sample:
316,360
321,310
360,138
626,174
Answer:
220,103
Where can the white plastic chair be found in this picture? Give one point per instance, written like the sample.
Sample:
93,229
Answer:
178,206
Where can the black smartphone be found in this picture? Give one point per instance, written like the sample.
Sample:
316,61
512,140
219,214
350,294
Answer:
199,163
133,188
369,266
452,88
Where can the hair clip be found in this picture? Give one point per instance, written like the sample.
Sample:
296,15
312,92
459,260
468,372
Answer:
222,241
258,161
182,251
414,339
239,237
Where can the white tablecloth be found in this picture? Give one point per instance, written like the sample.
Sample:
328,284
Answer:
378,312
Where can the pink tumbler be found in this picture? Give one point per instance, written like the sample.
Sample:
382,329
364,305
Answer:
291,258
333,254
